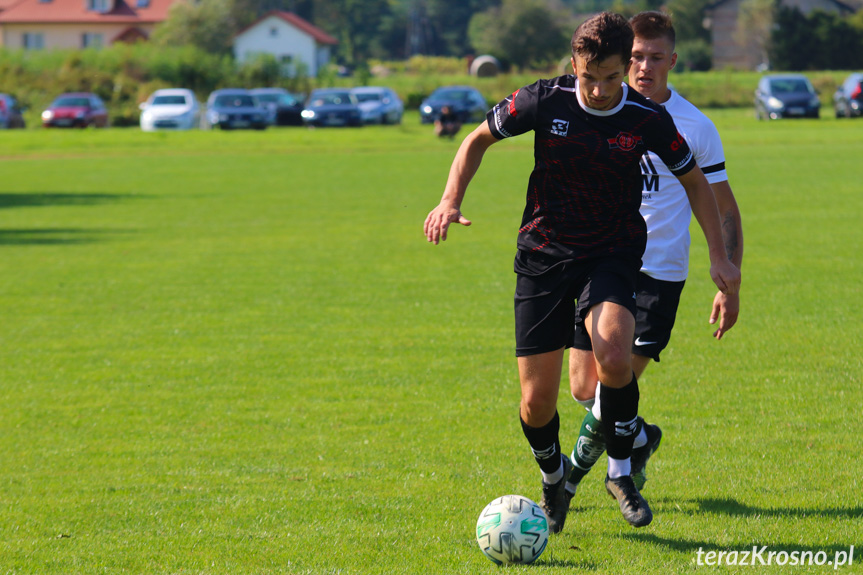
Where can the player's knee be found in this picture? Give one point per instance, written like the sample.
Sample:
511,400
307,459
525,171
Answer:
537,409
581,386
615,361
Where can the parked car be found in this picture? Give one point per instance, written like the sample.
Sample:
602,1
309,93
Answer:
466,103
283,108
76,110
332,107
379,105
234,108
786,96
848,99
170,109
11,113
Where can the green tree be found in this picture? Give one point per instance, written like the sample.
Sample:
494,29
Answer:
522,32
207,25
688,17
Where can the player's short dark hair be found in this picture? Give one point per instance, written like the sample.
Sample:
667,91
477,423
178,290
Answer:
604,35
652,25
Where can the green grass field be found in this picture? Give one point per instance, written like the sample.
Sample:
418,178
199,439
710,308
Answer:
235,353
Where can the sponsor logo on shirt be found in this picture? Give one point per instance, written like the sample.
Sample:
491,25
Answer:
624,141
560,127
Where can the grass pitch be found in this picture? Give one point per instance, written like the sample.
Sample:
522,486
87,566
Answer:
236,353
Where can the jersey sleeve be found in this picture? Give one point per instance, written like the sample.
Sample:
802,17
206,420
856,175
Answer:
709,153
515,114
670,146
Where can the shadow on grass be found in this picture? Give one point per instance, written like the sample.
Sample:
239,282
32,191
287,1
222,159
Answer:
735,508
692,547
55,236
58,199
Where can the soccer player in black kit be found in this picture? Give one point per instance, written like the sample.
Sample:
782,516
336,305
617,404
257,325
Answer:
581,241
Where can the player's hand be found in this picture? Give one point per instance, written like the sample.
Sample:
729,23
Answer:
726,309
438,221
726,276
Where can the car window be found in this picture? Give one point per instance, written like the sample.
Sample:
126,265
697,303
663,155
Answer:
169,100
456,95
789,86
234,101
287,100
267,98
368,97
72,101
334,99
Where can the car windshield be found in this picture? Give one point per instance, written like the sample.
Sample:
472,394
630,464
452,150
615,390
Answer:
169,100
234,101
267,98
368,97
331,99
789,86
450,95
72,101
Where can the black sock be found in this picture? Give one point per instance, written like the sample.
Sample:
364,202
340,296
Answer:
619,408
545,443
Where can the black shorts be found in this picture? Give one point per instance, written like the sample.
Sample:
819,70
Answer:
656,302
546,291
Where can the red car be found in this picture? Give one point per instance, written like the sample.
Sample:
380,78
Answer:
76,110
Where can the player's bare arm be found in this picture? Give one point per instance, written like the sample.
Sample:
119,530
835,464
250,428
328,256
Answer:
726,308
464,166
725,274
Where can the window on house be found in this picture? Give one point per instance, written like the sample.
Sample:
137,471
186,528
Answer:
99,5
274,32
33,41
143,4
90,40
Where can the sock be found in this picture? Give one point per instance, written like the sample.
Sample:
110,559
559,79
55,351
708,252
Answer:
618,467
545,444
619,418
588,448
585,403
641,438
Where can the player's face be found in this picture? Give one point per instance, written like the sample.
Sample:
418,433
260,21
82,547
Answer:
652,60
599,83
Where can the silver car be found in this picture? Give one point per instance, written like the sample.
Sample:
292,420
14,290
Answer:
379,105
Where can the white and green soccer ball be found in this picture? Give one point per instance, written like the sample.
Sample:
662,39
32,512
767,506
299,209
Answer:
512,529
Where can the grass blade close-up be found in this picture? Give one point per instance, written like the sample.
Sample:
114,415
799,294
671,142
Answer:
237,353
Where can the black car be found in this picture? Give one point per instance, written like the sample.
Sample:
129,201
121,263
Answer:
467,103
848,99
283,108
786,96
332,107
233,108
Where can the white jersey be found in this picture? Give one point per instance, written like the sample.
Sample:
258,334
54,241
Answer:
664,203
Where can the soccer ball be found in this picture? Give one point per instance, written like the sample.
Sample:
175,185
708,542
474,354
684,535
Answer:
512,529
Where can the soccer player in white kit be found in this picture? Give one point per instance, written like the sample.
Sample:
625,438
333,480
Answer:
666,210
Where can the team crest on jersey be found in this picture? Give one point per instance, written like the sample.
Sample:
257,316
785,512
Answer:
560,127
624,141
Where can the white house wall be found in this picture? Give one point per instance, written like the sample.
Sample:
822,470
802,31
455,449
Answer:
286,42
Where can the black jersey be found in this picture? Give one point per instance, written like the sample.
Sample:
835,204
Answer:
584,193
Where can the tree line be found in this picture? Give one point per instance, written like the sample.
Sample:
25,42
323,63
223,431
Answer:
521,33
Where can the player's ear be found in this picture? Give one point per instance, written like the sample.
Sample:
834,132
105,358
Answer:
574,69
627,68
673,60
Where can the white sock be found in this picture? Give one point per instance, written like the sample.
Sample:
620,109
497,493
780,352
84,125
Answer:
641,440
585,403
618,467
597,413
552,477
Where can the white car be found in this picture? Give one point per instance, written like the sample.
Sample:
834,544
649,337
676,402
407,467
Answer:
171,109
379,105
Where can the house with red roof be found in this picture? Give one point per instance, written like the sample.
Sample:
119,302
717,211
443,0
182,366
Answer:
48,24
296,43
